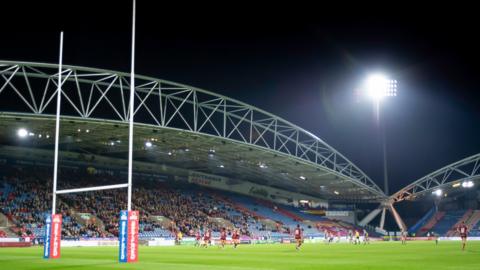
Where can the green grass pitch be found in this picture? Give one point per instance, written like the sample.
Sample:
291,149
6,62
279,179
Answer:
381,255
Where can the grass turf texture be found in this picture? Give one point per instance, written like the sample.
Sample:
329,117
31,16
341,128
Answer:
382,255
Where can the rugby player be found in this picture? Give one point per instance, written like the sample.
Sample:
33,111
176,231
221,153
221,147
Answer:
463,230
298,237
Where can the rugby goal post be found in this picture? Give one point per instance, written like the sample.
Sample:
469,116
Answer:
129,220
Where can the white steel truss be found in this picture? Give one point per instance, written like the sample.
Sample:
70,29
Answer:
103,94
463,170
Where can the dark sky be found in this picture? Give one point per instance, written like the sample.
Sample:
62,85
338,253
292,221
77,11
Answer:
301,63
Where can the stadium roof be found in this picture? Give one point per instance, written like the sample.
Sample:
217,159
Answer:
177,125
451,179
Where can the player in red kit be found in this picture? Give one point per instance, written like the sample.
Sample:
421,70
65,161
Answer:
463,230
206,238
298,237
223,237
235,238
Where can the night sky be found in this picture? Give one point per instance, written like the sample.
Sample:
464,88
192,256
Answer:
302,63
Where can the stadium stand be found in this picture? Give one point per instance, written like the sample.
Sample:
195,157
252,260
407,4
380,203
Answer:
445,223
464,218
263,210
448,221
431,223
474,223
303,214
25,200
422,222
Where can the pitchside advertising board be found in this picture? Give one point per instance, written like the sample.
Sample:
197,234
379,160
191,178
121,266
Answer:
128,236
53,235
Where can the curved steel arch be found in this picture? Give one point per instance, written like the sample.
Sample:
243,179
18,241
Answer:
98,93
463,170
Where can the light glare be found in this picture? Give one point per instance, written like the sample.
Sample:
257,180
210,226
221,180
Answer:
379,86
22,133
467,184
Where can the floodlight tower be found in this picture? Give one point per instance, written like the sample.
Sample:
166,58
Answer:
377,87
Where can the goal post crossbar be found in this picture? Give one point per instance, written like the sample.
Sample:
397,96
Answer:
75,190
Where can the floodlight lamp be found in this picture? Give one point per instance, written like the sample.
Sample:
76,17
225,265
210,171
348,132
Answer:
22,133
467,184
378,86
